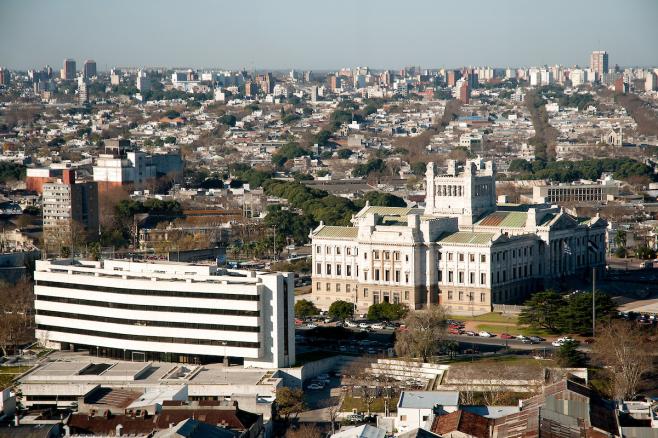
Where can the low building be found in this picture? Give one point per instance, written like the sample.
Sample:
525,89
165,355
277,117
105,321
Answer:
173,312
416,408
568,193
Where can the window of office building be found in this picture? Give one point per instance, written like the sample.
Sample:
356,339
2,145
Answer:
337,287
376,274
461,296
328,287
317,286
471,257
365,291
318,249
396,297
483,278
471,277
406,295
348,288
348,270
449,256
461,256
375,255
450,276
483,258
338,269
461,276
328,269
397,276
450,295
338,250
318,268
482,297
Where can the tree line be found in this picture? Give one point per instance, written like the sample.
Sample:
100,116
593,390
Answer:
569,171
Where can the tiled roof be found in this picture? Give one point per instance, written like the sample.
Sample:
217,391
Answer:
507,219
468,237
391,211
333,232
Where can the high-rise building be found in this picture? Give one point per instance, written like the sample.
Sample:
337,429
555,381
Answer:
68,205
172,312
68,71
599,63
650,82
452,77
143,83
89,69
115,77
5,77
577,77
464,92
83,93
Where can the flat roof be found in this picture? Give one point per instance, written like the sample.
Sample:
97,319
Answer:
428,399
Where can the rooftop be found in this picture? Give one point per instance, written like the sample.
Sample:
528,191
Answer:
334,232
470,237
428,399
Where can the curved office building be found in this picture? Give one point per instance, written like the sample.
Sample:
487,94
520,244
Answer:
174,312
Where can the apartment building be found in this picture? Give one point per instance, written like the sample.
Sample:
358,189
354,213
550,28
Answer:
67,202
565,193
461,250
173,312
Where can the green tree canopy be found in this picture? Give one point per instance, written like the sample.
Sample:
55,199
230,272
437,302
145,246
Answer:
387,311
341,310
305,308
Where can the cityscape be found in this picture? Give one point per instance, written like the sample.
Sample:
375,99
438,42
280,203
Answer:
322,238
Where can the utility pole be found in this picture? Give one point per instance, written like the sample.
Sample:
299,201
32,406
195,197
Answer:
593,301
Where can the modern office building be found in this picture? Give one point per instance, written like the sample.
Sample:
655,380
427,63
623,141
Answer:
122,165
5,77
570,193
599,63
67,205
173,312
68,71
89,69
83,92
461,250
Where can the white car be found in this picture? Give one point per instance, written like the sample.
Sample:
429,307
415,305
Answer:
351,324
378,326
486,335
315,386
364,325
311,325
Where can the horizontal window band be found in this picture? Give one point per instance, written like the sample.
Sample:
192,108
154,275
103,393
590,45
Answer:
195,310
147,323
162,339
153,293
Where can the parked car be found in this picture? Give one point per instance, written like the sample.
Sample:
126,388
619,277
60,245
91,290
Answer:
484,334
328,320
537,338
470,333
311,325
378,326
529,341
315,386
355,418
506,336
364,325
455,331
351,324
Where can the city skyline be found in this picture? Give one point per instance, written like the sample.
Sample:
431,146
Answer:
291,35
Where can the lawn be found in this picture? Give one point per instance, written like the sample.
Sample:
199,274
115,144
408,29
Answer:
524,330
7,374
350,403
495,317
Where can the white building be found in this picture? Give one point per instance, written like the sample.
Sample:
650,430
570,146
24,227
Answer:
461,250
416,408
174,312
650,82
577,77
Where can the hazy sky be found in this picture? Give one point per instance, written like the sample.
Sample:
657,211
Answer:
327,34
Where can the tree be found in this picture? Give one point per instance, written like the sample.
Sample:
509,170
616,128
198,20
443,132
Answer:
387,311
568,355
620,239
382,199
16,308
344,153
228,120
341,310
576,315
289,402
541,310
424,329
627,355
305,308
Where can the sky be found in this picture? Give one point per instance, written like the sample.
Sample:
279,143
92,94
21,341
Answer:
327,34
